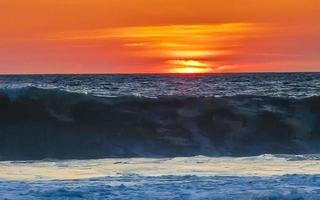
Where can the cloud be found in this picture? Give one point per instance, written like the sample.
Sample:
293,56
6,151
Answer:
173,46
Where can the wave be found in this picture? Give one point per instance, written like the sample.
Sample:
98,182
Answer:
166,187
40,123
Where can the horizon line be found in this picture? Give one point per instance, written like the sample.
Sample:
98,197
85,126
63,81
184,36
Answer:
159,73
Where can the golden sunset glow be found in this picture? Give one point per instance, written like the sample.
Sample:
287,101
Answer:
189,66
194,53
159,36
188,63
178,48
190,70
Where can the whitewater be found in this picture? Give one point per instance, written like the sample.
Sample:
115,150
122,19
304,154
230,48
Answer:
228,136
263,177
259,177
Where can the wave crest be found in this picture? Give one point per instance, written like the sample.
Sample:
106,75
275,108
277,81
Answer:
37,123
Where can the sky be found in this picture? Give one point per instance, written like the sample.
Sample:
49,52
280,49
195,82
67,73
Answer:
159,36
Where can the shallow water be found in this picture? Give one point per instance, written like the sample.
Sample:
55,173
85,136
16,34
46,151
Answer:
167,187
260,177
264,165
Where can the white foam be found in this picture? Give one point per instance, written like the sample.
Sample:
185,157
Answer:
265,165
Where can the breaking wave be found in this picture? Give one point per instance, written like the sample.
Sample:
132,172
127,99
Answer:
37,123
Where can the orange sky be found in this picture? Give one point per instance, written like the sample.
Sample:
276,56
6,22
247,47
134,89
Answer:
158,36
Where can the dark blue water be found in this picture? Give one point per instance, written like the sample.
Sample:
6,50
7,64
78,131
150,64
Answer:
158,115
167,187
297,85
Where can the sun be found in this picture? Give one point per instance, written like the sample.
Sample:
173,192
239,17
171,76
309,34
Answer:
190,70
189,66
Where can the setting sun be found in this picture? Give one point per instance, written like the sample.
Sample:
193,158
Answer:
189,66
190,70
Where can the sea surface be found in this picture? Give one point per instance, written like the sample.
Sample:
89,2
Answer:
296,85
200,136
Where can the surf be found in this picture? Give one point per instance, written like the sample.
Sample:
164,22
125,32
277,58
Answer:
50,123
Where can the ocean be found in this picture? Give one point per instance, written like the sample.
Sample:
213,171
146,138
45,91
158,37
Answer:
196,136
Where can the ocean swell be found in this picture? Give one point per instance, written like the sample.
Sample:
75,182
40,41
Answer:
37,123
